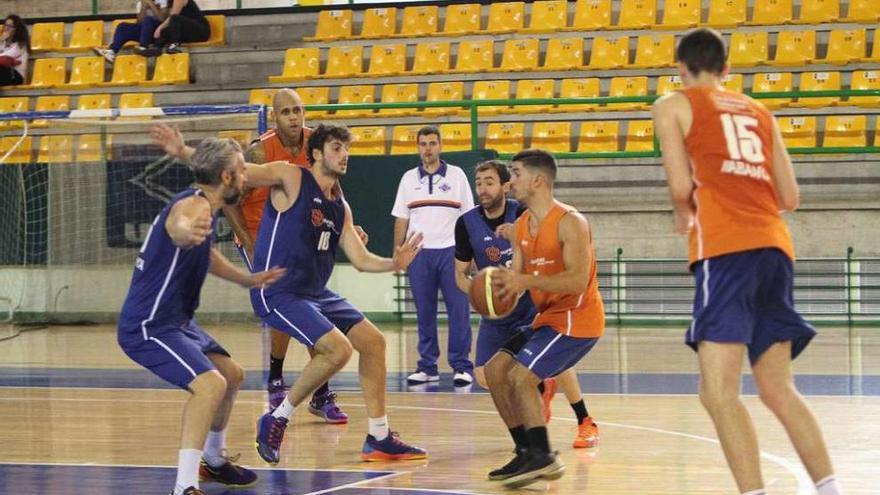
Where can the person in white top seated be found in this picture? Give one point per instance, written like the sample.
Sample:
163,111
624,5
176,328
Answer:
15,48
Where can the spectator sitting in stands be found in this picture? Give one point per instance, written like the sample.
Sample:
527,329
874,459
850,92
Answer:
150,14
15,47
185,24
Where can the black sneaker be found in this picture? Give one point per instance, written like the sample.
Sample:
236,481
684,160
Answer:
190,491
230,473
538,466
173,48
147,51
511,468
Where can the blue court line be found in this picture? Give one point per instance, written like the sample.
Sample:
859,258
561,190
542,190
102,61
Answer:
591,383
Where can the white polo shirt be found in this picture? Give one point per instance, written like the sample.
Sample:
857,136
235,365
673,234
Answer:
433,202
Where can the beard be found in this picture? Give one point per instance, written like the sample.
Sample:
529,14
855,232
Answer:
232,197
492,203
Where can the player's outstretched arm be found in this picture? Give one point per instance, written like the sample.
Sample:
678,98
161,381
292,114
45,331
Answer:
787,190
235,217
666,113
223,268
189,222
365,261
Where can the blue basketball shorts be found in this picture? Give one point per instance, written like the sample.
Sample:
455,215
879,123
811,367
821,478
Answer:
547,352
493,335
307,319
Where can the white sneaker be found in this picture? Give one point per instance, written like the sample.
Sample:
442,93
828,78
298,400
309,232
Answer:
422,377
106,53
461,378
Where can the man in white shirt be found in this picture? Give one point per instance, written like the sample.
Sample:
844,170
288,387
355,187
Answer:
430,198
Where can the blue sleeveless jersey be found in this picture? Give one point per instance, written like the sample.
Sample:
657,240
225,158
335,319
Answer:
491,250
167,279
303,239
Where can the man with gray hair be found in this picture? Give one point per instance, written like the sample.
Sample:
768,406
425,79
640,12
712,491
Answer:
156,326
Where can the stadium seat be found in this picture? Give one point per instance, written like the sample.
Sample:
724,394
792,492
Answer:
862,11
50,104
85,35
578,88
748,49
491,90
218,32
875,52
726,13
475,56
387,60
771,83
548,16
507,137
48,73
263,96
655,51
13,104
355,94
864,79
128,70
506,17
591,15
332,25
299,64
462,19
456,137
564,54
135,100
798,132
519,55
639,135
609,53
628,86
89,148
637,14
170,69
55,148
86,72
314,95
554,137
819,81
367,140
598,137
403,140
668,84
422,20
733,82
818,11
116,23
432,58
771,12
399,93
795,48
47,36
444,91
680,14
243,138
534,88
22,154
94,102
379,23
344,61
845,130
845,46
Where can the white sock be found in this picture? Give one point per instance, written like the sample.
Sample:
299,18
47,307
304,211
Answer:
828,486
187,470
379,427
759,491
284,410
215,444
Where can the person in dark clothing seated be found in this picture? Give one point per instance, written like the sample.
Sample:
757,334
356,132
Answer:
185,24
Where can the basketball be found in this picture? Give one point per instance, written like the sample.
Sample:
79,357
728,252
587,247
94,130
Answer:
483,298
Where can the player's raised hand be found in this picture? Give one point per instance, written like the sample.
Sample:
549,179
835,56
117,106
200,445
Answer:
406,253
266,278
198,231
365,238
505,231
168,138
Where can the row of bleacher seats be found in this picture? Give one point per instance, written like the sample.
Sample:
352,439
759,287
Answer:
85,35
89,72
55,103
792,48
588,15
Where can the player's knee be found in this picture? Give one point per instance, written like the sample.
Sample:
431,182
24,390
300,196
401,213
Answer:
338,350
523,377
775,394
235,376
717,397
210,384
495,371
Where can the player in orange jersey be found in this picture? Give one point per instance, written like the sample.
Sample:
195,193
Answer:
553,259
730,175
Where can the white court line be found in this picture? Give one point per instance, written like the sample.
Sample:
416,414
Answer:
357,483
164,466
432,490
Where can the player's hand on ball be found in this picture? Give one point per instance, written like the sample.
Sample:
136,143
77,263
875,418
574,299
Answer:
167,138
365,238
406,253
266,278
507,283
505,231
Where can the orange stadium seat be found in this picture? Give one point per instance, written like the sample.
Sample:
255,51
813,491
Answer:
598,137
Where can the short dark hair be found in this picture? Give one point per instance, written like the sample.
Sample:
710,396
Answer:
542,160
428,130
321,134
498,166
211,157
21,36
702,50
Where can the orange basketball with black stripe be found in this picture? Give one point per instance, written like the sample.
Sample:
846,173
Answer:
483,297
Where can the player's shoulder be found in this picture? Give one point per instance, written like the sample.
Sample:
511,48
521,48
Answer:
571,216
192,205
670,100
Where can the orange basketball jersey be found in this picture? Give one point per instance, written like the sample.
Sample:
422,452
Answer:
730,145
577,315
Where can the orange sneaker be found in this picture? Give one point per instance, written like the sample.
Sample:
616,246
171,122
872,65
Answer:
587,435
547,397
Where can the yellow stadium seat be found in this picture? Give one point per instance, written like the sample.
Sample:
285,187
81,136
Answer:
367,140
314,95
48,73
668,84
548,16
55,149
218,32
819,81
462,19
655,51
748,49
845,46
456,137
637,14
22,154
640,135
726,13
771,12
243,138
680,14
444,91
795,48
519,55
864,79
506,17
387,60
798,132
116,23
403,139
128,70
475,56
85,35
262,96
818,11
578,88
845,130
299,64
170,69
591,15
379,23
355,94
90,148
13,104
628,86
771,83
507,137
344,61
533,88
94,102
399,93
333,25
733,82
86,72
862,11
432,58
598,137
50,104
564,54
422,20
47,36
609,53
554,137
875,52
135,100
491,90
